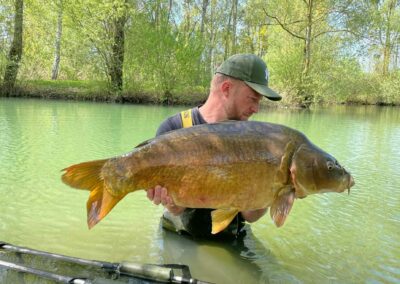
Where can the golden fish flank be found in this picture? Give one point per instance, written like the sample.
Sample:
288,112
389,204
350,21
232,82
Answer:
230,166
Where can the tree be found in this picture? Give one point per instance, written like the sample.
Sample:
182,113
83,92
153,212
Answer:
15,54
307,20
57,44
385,32
204,15
115,62
104,26
230,28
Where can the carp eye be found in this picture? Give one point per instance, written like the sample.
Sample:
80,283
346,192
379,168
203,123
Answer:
330,165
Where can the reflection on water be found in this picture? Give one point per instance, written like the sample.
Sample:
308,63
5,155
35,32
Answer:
330,238
243,260
216,258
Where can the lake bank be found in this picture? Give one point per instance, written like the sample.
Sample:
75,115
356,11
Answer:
98,91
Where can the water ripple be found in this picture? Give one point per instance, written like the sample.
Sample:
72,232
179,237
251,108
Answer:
329,238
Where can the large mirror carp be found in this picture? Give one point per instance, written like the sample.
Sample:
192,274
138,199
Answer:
231,167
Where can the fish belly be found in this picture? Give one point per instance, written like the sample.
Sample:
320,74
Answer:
242,186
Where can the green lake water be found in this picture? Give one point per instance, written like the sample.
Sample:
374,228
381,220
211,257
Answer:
327,238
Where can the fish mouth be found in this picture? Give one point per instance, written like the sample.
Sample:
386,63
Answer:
350,184
246,116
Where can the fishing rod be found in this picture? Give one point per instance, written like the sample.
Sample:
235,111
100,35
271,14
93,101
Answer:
160,273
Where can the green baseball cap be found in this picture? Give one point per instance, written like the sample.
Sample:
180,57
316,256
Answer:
252,70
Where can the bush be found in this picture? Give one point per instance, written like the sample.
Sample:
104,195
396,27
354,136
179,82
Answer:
390,90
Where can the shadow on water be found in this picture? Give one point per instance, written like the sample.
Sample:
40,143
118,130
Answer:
213,260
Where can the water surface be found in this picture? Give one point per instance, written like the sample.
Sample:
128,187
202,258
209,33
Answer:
330,238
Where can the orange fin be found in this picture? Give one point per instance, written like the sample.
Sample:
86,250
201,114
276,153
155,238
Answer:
84,175
281,206
221,218
87,176
99,204
283,174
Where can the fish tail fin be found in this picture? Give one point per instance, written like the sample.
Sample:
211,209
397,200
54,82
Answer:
100,203
87,176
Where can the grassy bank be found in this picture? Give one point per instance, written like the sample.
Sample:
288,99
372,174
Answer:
99,91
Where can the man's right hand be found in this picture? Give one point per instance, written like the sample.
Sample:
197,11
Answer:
159,195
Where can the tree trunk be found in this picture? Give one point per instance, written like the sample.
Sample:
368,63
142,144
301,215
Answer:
169,10
211,42
117,54
234,24
387,49
187,18
203,15
308,39
57,44
396,57
157,14
228,32
15,54
305,93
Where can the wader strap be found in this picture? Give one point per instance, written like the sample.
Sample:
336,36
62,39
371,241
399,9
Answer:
186,116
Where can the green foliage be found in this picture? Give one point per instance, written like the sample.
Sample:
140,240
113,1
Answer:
284,61
344,82
390,90
172,48
39,29
6,28
160,59
3,62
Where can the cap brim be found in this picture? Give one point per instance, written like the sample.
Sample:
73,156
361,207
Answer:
264,91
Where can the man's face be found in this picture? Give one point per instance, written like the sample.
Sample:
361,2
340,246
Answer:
243,101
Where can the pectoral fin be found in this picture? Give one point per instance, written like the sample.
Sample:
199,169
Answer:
283,174
221,218
281,206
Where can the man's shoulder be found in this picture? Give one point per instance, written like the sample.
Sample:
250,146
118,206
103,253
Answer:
175,122
171,123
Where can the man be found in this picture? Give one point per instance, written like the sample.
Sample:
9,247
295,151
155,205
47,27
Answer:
235,93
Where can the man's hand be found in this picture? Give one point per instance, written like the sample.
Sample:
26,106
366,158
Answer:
159,195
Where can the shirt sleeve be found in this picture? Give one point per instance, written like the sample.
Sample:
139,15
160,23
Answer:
171,123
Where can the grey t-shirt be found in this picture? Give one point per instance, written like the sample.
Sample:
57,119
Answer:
197,222
175,122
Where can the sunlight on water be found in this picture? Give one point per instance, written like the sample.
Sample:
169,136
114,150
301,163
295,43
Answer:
330,238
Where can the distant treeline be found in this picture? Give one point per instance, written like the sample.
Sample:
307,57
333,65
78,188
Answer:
165,51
